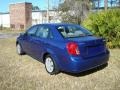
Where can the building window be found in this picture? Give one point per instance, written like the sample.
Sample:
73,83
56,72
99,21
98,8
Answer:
21,26
12,26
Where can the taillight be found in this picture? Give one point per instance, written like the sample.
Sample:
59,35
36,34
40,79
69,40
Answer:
72,48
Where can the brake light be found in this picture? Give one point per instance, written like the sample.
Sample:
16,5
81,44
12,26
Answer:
72,48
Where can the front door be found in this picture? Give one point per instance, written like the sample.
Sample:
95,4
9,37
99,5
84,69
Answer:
28,40
39,41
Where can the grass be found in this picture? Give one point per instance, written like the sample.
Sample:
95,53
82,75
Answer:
25,73
10,31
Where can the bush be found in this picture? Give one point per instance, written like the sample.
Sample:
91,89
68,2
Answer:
105,24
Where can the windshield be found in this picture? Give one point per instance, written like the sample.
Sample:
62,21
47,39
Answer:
72,31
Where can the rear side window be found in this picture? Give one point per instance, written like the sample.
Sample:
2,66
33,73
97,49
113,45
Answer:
32,31
43,32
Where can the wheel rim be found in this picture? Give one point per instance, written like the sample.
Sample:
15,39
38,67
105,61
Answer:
18,49
49,65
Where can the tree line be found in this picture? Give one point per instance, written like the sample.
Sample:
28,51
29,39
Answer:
75,11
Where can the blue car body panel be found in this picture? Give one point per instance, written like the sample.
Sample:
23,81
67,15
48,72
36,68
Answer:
93,52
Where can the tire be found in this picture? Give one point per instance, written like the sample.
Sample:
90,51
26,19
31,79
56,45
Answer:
19,49
50,65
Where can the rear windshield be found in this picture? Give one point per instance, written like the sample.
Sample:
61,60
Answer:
73,31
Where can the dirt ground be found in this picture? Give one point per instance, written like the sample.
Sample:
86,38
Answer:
25,73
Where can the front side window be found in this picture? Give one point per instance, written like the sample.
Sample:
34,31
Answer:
42,32
72,31
32,31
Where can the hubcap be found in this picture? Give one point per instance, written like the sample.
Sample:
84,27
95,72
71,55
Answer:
18,49
49,65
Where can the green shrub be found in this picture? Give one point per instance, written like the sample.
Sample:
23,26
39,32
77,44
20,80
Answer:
105,24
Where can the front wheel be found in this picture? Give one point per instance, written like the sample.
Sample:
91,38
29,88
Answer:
19,49
51,66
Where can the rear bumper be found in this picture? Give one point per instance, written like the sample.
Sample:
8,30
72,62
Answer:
77,65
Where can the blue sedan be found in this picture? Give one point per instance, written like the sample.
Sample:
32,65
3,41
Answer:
63,47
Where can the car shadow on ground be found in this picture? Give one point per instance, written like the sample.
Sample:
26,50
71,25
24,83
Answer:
85,73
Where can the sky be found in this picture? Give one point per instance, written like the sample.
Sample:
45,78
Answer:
4,4
42,4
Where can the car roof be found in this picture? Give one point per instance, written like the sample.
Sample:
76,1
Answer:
56,24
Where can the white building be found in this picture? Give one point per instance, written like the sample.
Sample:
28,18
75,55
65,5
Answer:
5,19
41,17
38,17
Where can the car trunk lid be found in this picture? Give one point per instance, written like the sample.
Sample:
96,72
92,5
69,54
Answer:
89,46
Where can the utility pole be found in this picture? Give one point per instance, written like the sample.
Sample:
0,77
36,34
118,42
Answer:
48,11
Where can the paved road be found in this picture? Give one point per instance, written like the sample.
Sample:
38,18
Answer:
4,36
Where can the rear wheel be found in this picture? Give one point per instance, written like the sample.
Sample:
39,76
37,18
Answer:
19,49
50,65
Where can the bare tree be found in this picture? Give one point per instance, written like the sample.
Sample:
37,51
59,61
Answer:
111,3
105,4
118,3
35,8
98,4
74,10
